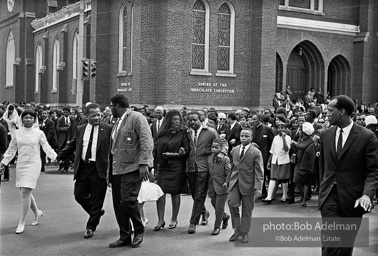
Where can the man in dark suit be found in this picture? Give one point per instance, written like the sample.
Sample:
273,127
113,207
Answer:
64,133
130,158
48,127
201,138
348,172
91,146
233,132
244,184
263,136
222,126
155,125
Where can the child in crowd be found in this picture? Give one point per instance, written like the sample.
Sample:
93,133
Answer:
244,184
219,169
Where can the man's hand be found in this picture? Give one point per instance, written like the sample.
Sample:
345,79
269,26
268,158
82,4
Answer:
2,168
257,193
181,151
143,170
225,185
232,142
364,202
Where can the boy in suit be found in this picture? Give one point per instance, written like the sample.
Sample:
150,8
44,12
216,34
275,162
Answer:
244,184
219,168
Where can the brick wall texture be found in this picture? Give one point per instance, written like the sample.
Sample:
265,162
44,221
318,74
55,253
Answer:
159,62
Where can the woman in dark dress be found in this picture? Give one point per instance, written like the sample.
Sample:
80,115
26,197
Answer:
305,161
170,152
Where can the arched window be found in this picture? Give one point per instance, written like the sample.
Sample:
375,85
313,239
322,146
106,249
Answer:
200,38
55,64
38,66
226,31
122,46
11,57
75,55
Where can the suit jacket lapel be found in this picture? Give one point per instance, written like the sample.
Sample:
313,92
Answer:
352,136
80,138
333,145
99,136
246,152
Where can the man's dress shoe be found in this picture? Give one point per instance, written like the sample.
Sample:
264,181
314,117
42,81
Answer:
235,236
192,229
88,233
225,221
120,243
245,238
205,218
216,231
138,239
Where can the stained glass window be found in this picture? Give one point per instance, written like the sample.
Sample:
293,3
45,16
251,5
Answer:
224,38
199,35
123,39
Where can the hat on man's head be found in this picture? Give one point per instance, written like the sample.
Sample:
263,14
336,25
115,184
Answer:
247,110
370,120
222,115
159,108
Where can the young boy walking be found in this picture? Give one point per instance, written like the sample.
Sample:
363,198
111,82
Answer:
219,168
244,184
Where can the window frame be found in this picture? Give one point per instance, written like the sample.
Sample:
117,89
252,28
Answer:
205,70
75,55
55,66
122,32
230,72
287,7
38,67
9,65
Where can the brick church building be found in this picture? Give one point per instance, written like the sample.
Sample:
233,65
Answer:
194,53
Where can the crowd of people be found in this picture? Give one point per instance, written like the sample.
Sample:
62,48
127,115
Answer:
234,157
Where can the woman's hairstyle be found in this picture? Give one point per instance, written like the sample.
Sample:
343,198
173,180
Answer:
280,118
165,127
28,112
11,107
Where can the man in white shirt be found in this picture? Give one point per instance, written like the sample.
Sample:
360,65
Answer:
91,144
156,124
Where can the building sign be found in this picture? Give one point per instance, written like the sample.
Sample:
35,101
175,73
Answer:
205,87
126,89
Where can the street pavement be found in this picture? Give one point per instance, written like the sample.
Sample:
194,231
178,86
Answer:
62,227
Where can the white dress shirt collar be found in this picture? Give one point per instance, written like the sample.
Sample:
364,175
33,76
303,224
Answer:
246,147
346,132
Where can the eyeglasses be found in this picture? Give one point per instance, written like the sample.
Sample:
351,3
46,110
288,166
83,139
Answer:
112,105
222,118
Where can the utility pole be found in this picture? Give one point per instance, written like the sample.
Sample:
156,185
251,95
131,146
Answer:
80,82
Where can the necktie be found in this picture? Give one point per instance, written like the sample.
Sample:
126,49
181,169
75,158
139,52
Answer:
88,154
158,125
195,138
65,120
340,144
242,152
